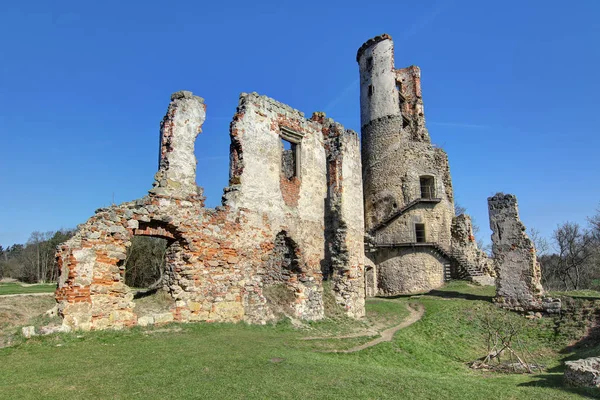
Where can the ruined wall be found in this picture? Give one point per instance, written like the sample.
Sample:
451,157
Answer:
411,102
466,251
269,231
176,176
518,273
344,233
397,154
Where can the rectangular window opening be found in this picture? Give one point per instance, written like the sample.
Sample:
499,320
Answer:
289,158
427,187
420,233
369,62
401,97
371,90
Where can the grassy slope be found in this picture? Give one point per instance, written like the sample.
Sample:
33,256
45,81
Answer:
17,288
424,361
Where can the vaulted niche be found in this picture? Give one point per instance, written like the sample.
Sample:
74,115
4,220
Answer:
282,274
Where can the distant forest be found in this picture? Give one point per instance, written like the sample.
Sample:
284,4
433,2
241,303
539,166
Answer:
570,259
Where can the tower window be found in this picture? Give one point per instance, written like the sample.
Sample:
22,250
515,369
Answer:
427,187
420,233
401,97
369,62
371,90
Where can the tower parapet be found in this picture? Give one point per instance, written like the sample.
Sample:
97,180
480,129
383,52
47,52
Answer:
378,92
408,199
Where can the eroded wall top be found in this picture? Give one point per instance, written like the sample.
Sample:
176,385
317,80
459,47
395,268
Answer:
176,176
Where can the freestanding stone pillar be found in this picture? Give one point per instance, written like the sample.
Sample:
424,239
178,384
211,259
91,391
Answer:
176,176
518,273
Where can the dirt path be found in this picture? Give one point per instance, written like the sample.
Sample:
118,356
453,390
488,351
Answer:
26,294
387,335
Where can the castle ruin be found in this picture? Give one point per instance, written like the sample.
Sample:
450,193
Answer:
304,204
409,201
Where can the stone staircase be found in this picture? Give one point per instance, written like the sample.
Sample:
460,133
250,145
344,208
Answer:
401,211
458,267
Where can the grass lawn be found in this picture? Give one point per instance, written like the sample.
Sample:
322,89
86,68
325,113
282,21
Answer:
427,360
18,288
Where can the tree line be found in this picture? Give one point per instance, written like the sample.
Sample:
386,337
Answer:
570,259
35,260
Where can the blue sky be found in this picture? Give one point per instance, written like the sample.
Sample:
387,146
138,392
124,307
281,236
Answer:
510,91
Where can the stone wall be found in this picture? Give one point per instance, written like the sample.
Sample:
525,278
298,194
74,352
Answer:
465,249
378,92
397,154
269,231
583,373
518,273
176,176
408,270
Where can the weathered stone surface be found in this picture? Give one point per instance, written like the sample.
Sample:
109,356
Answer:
28,331
584,372
406,181
518,273
472,263
176,176
52,329
219,261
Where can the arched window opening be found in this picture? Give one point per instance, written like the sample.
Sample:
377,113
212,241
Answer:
146,270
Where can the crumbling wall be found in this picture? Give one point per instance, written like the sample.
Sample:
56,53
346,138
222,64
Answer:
269,231
176,176
344,233
467,253
518,273
411,103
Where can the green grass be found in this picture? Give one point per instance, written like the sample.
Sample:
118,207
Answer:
584,294
18,288
236,361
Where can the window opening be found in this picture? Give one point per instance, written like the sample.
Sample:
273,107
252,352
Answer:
289,159
369,62
420,233
427,187
401,97
371,90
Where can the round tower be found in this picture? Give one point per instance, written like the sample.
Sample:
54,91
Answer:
406,183
378,92
381,128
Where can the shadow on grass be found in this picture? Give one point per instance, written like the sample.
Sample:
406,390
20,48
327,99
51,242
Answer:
445,295
140,294
587,346
557,382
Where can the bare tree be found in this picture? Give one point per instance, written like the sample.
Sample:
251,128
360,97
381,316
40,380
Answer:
574,247
542,246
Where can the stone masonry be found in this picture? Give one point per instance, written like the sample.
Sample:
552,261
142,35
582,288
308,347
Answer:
270,230
474,264
408,195
305,201
583,373
518,273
